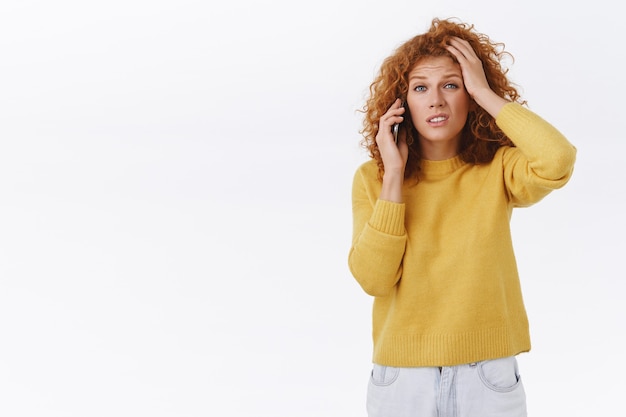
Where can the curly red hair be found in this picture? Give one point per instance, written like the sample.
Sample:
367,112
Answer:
481,137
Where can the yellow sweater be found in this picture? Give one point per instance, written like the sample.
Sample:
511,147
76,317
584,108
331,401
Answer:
441,265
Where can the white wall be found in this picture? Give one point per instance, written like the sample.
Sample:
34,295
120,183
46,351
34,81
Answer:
175,203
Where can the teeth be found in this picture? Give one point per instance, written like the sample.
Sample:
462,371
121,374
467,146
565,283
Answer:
437,119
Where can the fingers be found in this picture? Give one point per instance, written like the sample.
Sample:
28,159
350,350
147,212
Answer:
474,76
461,49
394,155
391,117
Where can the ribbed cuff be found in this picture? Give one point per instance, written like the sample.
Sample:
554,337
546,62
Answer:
388,217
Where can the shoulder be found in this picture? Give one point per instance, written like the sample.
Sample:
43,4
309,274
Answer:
366,176
503,151
368,169
507,153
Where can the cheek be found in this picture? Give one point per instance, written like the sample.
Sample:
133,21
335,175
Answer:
415,118
462,107
413,110
465,102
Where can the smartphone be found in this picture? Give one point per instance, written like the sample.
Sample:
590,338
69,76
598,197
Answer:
396,127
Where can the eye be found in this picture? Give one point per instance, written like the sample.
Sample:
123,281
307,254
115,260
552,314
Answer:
420,88
451,86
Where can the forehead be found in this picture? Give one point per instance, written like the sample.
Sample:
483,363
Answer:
435,65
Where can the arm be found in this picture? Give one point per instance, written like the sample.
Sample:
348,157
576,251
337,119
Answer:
543,159
379,237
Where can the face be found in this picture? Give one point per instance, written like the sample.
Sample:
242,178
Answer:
438,103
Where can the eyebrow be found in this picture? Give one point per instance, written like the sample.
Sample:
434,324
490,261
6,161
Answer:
448,75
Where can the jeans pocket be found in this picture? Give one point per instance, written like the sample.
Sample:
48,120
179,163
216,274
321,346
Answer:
383,376
500,375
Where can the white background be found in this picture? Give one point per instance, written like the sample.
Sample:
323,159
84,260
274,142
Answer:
175,203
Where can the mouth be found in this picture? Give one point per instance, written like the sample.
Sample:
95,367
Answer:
438,119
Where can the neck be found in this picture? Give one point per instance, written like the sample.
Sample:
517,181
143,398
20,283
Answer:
439,151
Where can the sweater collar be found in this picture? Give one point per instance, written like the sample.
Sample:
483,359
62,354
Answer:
434,169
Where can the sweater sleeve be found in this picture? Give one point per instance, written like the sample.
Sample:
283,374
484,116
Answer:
542,161
378,240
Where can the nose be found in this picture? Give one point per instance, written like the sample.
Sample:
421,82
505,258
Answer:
436,99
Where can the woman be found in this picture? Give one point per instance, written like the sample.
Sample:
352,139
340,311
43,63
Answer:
431,213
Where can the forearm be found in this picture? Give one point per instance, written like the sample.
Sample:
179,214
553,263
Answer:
392,186
490,101
379,241
376,262
550,155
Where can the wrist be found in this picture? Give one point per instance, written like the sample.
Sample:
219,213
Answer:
392,186
490,101
393,173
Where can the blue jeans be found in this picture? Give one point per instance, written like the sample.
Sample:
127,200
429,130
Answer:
491,388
